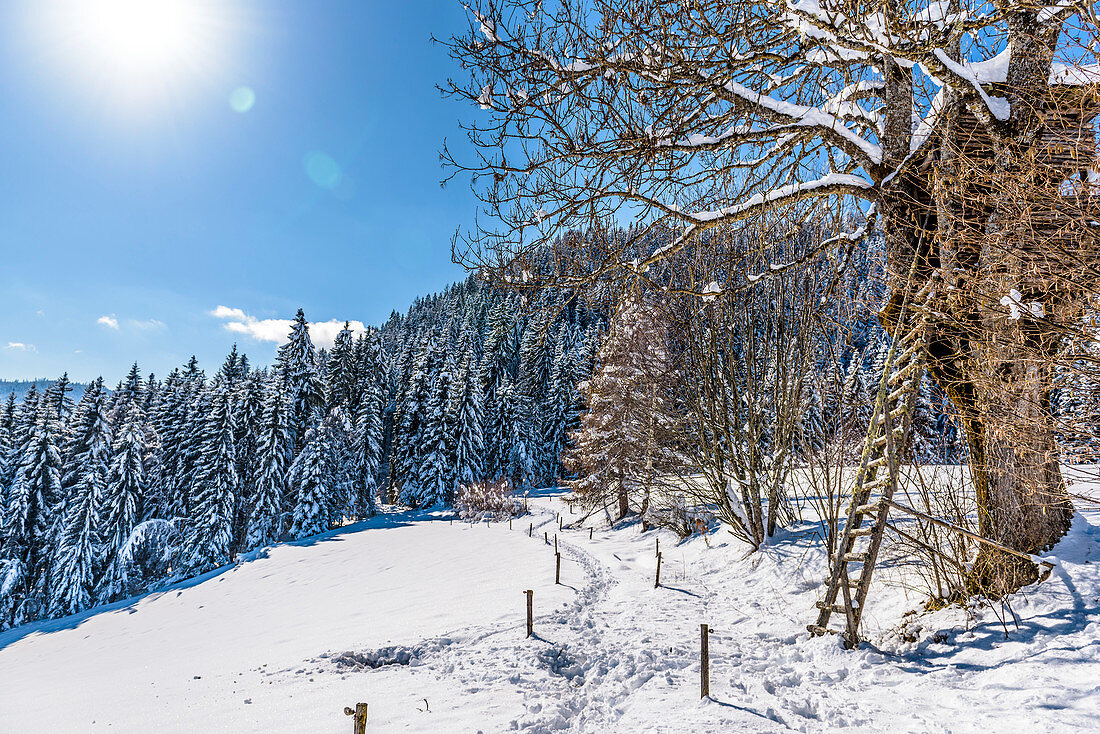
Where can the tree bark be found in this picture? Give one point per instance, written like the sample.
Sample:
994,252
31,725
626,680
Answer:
998,369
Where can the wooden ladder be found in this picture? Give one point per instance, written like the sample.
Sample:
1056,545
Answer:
887,439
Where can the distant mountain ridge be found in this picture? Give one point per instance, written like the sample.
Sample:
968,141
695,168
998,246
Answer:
20,387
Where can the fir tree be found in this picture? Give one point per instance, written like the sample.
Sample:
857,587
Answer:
77,553
465,407
622,443
122,501
367,449
433,482
297,368
272,460
35,491
209,538
341,372
311,478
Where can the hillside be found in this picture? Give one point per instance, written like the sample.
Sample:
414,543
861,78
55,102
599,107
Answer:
20,388
288,637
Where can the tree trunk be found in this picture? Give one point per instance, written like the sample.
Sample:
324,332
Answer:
1022,499
996,368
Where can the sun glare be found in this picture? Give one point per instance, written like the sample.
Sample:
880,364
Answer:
139,35
135,48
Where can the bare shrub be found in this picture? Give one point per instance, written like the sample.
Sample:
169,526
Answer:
495,499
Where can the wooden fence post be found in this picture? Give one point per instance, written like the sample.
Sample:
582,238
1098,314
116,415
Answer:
555,542
509,523
557,567
530,529
657,583
704,661
590,533
530,612
546,537
657,550
360,720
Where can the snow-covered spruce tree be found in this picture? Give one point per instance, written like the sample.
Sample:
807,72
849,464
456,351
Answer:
341,389
559,417
621,445
464,405
532,380
297,368
411,408
517,411
497,371
78,547
367,447
312,480
248,418
57,405
124,498
128,391
208,540
434,471
273,456
342,458
7,439
9,458
191,414
33,494
22,424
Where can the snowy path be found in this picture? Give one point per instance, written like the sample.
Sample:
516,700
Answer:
284,642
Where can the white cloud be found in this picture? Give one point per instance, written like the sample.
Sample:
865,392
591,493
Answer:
225,312
111,321
146,324
322,333
21,347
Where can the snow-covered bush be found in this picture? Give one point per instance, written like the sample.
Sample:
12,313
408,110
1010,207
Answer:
495,499
11,578
674,510
149,556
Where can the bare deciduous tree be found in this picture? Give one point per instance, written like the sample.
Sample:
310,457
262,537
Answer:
939,121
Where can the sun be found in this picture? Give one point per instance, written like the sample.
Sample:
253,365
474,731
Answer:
139,36
134,48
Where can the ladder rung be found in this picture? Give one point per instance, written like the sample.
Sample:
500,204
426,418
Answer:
868,509
831,607
900,374
855,557
861,532
913,332
873,463
819,630
909,352
876,483
895,414
897,394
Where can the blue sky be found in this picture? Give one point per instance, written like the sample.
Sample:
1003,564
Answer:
135,200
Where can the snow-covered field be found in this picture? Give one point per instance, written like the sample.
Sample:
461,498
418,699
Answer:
284,641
